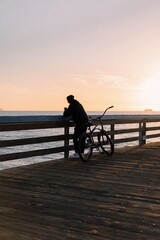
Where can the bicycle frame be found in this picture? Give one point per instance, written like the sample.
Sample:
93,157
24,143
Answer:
87,142
98,126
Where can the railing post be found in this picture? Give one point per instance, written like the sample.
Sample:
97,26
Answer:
112,133
142,133
66,140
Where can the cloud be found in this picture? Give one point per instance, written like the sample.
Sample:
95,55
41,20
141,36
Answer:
118,81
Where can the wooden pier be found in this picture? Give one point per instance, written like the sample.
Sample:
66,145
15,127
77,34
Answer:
115,198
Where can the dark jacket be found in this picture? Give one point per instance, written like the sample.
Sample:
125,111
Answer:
77,112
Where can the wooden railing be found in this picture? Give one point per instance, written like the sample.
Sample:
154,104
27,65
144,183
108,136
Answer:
138,128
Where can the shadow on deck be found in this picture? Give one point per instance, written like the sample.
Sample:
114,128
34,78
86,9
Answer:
114,197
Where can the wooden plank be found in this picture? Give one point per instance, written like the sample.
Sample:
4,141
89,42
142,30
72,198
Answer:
123,131
33,153
17,142
115,197
122,140
26,154
29,126
153,135
152,128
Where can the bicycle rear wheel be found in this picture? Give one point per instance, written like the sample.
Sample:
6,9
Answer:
85,147
105,143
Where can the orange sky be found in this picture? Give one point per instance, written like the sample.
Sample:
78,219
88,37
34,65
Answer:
103,52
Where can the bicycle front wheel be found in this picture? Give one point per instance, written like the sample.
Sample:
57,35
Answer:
105,143
85,147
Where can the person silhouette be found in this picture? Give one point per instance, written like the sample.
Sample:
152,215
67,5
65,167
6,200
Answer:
80,118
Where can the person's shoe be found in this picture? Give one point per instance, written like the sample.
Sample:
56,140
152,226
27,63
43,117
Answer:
75,155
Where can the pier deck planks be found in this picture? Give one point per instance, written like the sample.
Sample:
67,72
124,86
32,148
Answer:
113,198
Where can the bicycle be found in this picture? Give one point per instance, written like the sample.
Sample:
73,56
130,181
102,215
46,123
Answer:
87,142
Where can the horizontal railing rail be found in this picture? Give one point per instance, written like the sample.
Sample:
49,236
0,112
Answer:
57,131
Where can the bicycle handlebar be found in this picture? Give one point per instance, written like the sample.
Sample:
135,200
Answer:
102,114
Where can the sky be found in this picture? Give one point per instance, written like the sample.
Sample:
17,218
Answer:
104,52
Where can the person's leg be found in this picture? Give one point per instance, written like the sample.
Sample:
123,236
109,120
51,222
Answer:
79,129
75,138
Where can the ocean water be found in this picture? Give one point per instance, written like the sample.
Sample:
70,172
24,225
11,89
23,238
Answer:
49,132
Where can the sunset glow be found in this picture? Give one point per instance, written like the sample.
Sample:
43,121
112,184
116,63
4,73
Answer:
105,52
